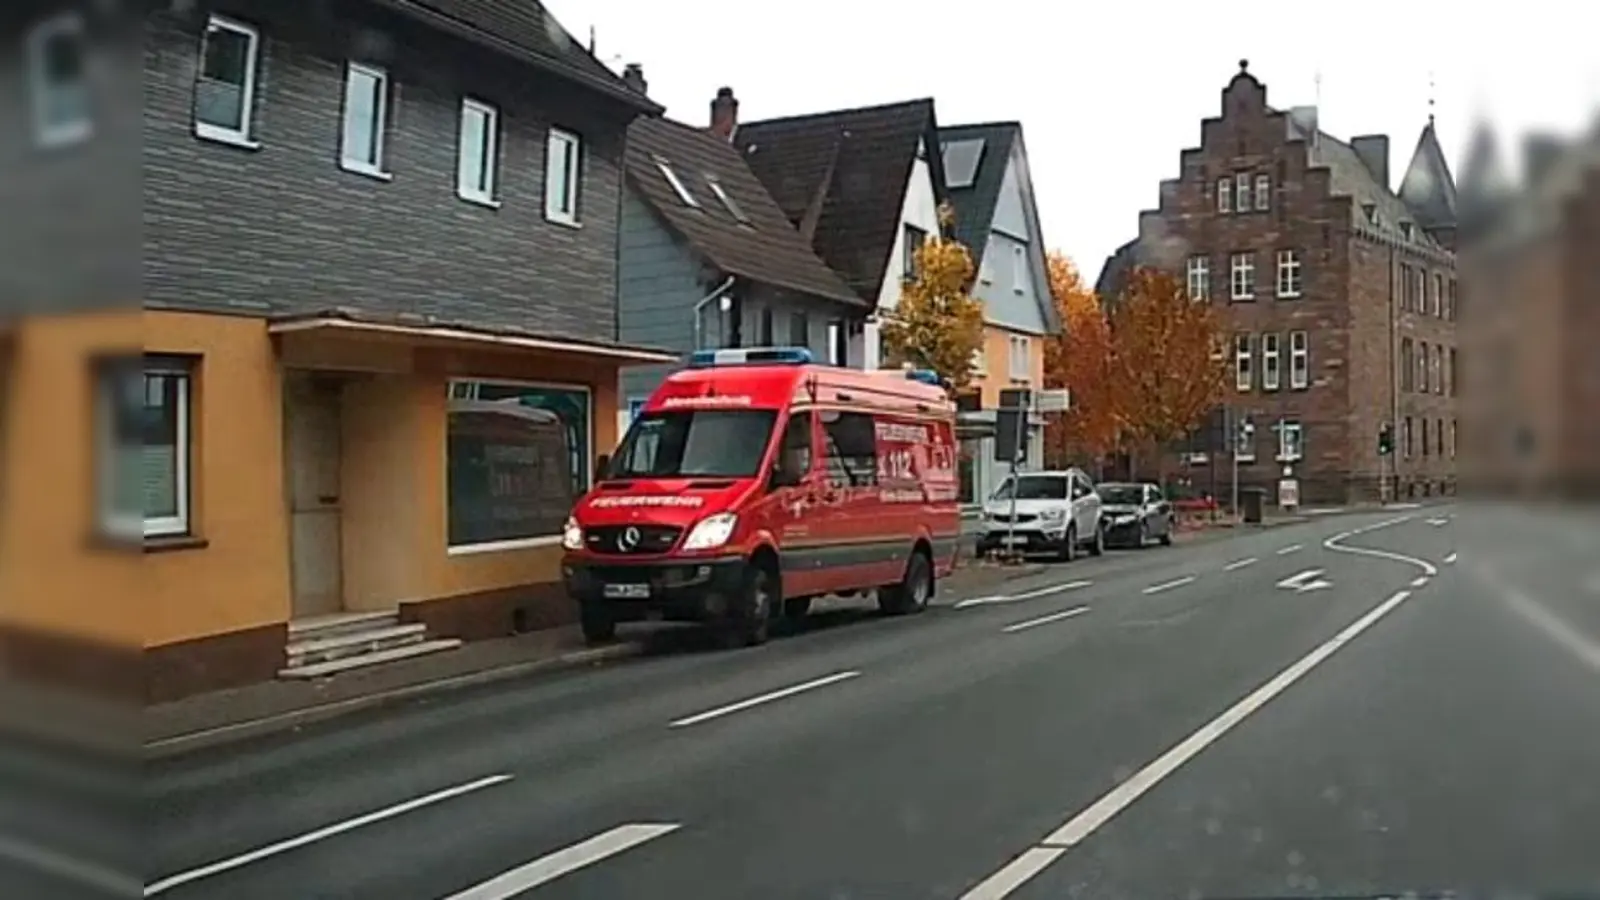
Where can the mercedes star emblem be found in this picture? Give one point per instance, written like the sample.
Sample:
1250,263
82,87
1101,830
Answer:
629,538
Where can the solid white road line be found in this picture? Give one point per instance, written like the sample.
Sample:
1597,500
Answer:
1240,564
790,691
1292,548
1167,586
549,868
1046,620
1025,595
1125,794
1336,543
312,837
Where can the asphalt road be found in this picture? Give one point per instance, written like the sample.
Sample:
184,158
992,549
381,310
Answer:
1384,702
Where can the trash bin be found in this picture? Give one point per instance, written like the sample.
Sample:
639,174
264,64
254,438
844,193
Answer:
1252,500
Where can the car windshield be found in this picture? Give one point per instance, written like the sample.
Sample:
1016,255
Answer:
694,444
1121,494
1034,487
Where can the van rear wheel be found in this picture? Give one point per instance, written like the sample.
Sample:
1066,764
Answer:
913,592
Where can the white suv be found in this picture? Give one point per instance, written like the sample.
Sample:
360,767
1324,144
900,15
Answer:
1053,512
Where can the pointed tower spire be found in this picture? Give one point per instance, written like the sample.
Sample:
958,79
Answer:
1433,93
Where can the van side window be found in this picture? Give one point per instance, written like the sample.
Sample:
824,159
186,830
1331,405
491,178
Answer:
795,452
851,449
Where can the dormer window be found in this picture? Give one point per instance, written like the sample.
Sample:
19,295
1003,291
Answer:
728,203
1370,210
1405,230
676,183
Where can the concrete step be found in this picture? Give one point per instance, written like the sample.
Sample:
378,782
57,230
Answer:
322,647
345,664
318,627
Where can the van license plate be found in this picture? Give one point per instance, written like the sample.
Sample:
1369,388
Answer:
627,591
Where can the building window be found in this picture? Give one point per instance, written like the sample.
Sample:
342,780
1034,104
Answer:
1263,193
1289,278
1450,303
1453,372
728,203
366,115
799,330
1242,271
1438,438
1021,359
1438,369
1423,385
1455,437
145,447
1419,291
563,176
676,183
1299,360
838,343
1271,363
1224,195
1405,287
1241,191
1243,359
516,458
1438,296
1291,441
1408,439
59,84
224,95
1199,278
911,242
980,361
1426,444
1019,270
1408,372
478,156
985,273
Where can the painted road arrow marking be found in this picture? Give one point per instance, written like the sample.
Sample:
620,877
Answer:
1309,580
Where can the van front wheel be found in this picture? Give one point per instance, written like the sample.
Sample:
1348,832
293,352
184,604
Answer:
599,626
750,618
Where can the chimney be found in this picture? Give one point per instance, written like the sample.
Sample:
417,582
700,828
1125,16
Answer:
1374,152
633,77
1539,152
724,114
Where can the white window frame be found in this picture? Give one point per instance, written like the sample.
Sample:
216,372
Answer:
569,145
1291,450
1263,193
835,335
183,452
1438,369
1224,195
1299,360
1241,190
676,183
487,194
243,135
380,128
980,361
1244,355
1019,366
1019,270
537,540
1198,273
1290,280
728,203
1271,362
1438,295
49,134
1242,276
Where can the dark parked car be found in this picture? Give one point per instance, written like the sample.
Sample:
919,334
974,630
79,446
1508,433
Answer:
1135,514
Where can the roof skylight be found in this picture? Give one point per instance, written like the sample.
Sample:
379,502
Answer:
677,184
727,201
961,162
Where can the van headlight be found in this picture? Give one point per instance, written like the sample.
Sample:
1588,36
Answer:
572,535
711,532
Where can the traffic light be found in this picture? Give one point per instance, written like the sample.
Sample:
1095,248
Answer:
1385,439
1245,440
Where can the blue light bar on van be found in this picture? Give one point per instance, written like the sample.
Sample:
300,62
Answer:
926,376
750,356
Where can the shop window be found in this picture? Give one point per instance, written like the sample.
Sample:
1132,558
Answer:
517,457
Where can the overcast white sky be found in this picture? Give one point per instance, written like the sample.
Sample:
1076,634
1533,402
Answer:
1109,94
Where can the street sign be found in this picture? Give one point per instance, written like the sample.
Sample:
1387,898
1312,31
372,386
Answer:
1053,400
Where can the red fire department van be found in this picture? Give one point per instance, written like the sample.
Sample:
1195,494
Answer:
753,481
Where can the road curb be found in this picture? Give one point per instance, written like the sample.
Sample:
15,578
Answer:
181,744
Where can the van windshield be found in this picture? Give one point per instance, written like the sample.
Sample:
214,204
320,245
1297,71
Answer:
694,444
1034,487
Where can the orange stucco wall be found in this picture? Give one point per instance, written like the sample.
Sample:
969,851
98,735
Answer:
997,364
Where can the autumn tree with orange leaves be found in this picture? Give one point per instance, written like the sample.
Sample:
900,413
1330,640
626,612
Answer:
937,324
1081,359
1166,366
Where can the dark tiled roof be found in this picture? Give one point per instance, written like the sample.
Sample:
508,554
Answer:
768,249
1428,187
858,162
975,203
523,29
1114,274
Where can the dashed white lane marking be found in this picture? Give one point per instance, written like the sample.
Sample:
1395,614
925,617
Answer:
1169,585
1240,564
1025,595
1419,581
1046,620
790,691
1451,559
1292,548
1015,873
320,834
549,868
1437,522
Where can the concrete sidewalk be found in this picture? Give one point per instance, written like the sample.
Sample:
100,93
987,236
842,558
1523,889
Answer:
242,713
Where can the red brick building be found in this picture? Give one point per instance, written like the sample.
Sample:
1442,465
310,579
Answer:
1531,318
1339,294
